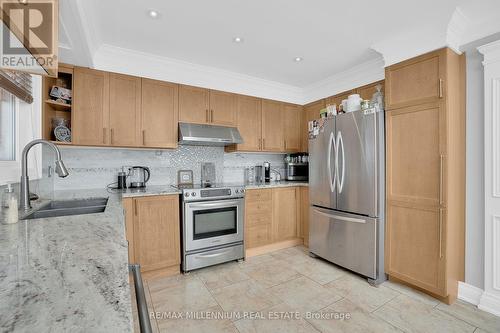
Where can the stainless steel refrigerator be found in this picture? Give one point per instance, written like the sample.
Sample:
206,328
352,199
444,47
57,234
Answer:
346,191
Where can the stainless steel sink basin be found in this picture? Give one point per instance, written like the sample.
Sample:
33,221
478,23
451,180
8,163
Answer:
69,207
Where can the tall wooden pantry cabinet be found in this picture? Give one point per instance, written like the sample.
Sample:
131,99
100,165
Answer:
425,138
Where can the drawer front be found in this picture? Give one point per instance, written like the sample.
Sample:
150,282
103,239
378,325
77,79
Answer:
258,235
258,195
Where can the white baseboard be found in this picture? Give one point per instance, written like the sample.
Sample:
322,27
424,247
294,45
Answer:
469,293
474,295
490,303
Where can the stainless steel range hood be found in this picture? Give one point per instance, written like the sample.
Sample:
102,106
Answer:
208,135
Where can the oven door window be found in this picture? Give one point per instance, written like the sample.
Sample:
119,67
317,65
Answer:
214,222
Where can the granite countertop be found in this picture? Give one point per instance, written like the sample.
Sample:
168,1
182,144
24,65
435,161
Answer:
283,183
149,190
66,274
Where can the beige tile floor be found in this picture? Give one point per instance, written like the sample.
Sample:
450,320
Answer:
288,291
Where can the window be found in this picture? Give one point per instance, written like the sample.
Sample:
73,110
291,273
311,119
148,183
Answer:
20,122
7,126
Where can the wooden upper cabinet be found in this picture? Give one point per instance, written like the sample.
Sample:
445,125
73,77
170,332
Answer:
124,109
292,127
90,114
366,92
416,81
223,108
309,113
249,122
159,114
156,232
272,126
194,105
284,213
337,99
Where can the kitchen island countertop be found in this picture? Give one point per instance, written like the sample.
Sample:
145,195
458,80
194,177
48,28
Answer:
66,274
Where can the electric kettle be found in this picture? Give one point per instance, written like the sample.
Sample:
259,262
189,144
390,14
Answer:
139,176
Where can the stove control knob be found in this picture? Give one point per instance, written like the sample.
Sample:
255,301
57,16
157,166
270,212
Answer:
193,194
186,194
242,190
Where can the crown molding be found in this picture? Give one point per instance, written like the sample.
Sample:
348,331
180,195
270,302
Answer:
354,77
126,61
491,52
457,27
410,43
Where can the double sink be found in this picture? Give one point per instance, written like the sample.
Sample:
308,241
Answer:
69,207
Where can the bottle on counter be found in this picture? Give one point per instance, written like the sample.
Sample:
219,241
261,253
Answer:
10,205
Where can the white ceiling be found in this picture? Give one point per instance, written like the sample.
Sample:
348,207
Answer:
331,35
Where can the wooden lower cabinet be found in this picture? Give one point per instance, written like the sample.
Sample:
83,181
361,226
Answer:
285,213
153,233
304,215
415,246
273,219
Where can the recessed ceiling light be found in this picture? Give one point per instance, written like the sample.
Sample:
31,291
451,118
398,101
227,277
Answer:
153,14
298,59
237,39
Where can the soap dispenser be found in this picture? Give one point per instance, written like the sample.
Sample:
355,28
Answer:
10,205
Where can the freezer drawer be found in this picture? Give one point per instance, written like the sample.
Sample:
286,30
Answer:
345,239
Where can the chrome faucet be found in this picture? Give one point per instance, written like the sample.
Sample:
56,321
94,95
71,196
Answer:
24,200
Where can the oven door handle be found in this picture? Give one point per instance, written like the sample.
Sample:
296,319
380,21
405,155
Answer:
212,255
215,204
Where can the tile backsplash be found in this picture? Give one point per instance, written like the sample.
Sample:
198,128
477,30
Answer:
98,167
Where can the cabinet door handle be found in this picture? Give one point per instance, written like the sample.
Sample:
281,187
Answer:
263,143
143,137
440,88
260,143
284,142
104,135
440,233
211,116
135,207
207,117
112,135
441,178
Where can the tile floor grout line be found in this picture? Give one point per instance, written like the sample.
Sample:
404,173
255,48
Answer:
399,294
461,319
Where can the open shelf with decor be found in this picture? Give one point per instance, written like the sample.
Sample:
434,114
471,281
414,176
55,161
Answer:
56,109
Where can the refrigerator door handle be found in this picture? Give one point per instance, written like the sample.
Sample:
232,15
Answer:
331,182
339,217
340,143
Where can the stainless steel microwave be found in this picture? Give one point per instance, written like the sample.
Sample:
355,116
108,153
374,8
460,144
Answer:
297,171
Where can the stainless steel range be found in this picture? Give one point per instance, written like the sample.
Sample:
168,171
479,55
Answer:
212,225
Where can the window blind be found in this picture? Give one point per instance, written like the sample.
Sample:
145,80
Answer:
18,84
